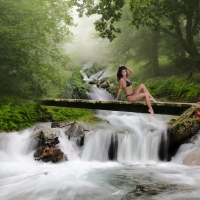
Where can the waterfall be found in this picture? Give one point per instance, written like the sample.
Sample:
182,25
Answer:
136,137
124,137
133,142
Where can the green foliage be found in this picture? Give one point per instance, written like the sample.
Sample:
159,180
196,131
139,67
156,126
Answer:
63,114
76,88
178,19
170,88
17,114
94,69
110,11
173,88
30,47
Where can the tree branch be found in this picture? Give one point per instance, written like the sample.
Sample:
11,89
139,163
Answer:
196,19
168,32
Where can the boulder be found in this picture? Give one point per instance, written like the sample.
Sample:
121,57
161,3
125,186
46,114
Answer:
43,135
75,130
184,127
49,151
193,158
51,154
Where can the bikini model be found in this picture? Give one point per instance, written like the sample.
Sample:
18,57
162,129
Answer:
128,83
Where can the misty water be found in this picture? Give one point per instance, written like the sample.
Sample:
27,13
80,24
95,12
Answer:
89,173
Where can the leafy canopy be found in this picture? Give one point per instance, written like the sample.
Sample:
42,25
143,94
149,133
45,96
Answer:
30,45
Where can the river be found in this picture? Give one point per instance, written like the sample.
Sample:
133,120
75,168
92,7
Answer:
136,173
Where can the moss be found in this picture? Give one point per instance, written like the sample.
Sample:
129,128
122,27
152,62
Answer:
62,114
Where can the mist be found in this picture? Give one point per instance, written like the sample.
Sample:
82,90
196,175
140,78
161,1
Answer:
86,46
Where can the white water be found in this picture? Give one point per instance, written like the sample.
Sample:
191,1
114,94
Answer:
89,174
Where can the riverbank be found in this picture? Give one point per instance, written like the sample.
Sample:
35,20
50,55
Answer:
17,114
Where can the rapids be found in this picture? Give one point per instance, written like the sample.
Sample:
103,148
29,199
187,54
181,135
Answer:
90,173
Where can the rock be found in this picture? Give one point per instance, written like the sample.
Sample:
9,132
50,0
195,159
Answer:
61,124
94,81
39,151
193,158
193,139
183,128
75,130
105,84
43,135
144,190
51,154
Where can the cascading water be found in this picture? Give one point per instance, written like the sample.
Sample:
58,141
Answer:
131,140
137,136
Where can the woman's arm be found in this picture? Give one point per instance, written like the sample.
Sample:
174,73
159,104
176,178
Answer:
119,90
131,72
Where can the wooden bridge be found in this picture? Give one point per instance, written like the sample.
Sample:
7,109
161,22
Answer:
164,108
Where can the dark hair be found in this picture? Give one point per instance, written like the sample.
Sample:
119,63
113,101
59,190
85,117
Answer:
119,73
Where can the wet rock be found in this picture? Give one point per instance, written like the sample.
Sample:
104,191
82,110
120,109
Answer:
183,128
141,190
43,135
193,139
76,130
50,152
39,151
94,81
148,191
193,158
105,84
61,124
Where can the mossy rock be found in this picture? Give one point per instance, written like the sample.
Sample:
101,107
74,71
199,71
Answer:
184,127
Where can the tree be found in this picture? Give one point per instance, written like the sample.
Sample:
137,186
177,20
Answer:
30,45
178,18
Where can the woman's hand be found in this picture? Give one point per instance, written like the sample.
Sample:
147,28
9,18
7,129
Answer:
129,69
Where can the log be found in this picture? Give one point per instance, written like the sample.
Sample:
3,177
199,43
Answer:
165,108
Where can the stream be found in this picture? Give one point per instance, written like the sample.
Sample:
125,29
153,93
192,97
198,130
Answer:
136,173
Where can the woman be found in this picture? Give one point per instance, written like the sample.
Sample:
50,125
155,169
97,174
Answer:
132,96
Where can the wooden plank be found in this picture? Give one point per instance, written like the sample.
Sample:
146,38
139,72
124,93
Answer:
165,108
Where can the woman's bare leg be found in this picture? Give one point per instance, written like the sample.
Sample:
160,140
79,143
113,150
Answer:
137,97
144,89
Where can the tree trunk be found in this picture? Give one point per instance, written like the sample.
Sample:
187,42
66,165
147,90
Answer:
154,61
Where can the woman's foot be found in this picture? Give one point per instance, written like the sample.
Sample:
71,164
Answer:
152,99
152,112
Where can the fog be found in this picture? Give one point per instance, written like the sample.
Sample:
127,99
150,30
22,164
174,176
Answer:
86,45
